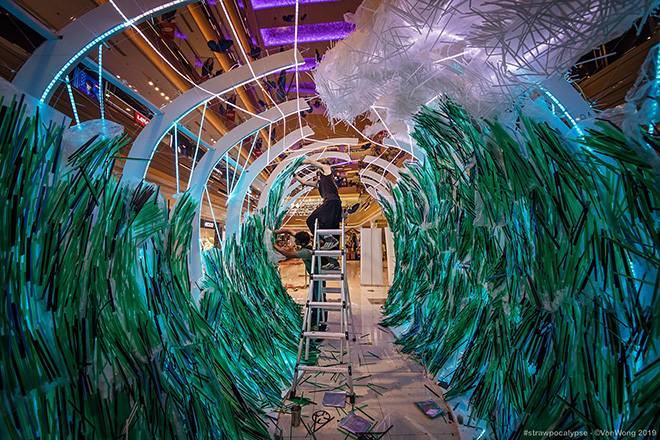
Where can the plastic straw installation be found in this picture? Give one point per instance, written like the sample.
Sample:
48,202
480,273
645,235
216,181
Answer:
101,335
527,271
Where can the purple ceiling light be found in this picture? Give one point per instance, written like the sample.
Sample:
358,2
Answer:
307,33
303,90
265,4
310,63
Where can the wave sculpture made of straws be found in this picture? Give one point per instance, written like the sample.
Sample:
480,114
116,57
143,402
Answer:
527,272
244,299
101,336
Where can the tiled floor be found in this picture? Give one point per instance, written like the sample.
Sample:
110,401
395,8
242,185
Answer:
391,382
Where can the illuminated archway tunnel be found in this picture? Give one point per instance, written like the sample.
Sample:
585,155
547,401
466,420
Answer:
525,233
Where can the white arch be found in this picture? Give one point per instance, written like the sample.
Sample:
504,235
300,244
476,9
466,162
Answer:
376,177
376,192
382,163
413,150
298,153
324,155
237,196
55,58
371,185
147,141
204,168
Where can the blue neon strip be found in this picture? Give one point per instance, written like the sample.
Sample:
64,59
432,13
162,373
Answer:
101,92
655,96
176,157
73,101
101,38
562,108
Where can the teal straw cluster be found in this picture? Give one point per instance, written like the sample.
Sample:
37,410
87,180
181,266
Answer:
527,272
101,336
244,299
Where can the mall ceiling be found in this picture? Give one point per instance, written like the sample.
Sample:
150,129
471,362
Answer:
230,34
227,35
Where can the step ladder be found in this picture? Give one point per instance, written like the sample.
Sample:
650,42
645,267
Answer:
319,281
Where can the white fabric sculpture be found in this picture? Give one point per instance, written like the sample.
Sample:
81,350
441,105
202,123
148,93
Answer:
483,54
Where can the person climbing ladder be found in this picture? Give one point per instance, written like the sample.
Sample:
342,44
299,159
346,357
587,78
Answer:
329,213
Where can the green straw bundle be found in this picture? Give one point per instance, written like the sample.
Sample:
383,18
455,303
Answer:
527,271
101,337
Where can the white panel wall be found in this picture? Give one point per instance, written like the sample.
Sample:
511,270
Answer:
371,257
391,257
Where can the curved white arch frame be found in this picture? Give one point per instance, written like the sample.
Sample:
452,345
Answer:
324,155
237,196
54,59
376,193
147,141
376,177
413,150
205,166
298,153
379,189
382,163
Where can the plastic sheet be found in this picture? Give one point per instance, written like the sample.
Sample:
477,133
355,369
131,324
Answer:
404,53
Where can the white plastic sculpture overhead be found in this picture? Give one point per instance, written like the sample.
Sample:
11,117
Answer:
404,53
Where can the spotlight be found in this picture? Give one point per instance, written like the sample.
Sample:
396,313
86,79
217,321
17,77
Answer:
167,98
151,83
162,93
118,76
156,89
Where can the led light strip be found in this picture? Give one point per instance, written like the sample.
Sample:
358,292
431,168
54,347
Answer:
655,90
199,135
73,102
101,92
214,95
128,22
562,108
176,156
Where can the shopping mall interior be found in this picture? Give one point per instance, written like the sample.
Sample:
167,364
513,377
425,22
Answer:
492,272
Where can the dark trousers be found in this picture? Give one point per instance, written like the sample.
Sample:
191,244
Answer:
329,217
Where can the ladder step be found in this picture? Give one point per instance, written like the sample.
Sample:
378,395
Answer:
329,232
327,305
326,335
330,253
327,276
313,368
332,290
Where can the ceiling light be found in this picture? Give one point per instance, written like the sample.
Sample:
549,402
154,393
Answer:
167,98
128,109
118,76
162,93
156,88
151,83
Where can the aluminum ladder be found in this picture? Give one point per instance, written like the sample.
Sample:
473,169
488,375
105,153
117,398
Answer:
318,281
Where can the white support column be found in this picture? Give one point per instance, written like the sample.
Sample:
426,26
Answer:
390,255
371,256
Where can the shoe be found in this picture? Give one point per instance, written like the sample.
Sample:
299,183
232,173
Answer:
331,266
330,243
